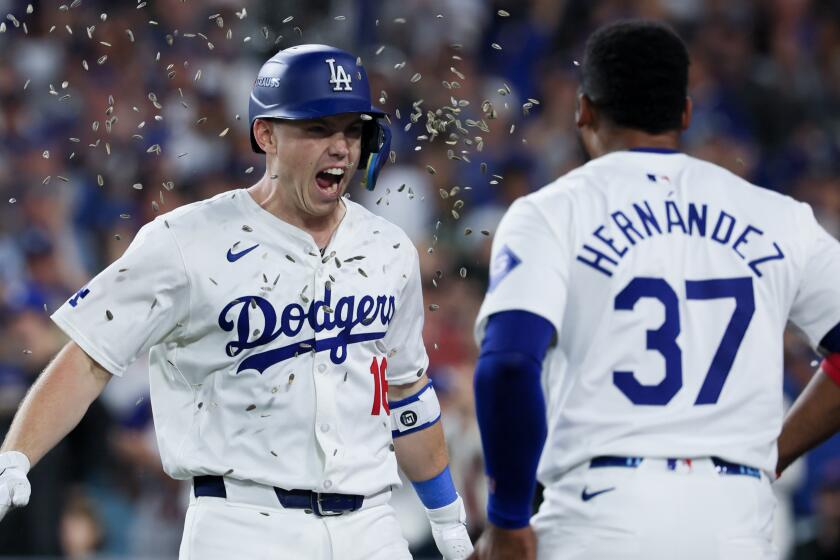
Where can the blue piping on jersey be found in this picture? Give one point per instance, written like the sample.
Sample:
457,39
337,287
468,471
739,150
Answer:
654,150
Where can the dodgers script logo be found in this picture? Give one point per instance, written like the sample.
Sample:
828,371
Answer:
320,316
339,78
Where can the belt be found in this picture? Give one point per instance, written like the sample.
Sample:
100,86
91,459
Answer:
322,505
721,466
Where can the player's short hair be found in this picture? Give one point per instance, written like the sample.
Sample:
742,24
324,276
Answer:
635,72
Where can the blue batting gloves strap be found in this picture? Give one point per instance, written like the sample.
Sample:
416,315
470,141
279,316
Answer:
438,491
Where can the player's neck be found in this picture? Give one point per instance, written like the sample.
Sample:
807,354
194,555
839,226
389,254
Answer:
321,228
619,139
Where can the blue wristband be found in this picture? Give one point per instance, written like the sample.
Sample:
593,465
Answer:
438,491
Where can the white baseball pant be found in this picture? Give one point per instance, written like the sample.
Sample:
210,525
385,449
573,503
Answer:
659,510
250,523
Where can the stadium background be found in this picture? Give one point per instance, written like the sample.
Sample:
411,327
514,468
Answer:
110,115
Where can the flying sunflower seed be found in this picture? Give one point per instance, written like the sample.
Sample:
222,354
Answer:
108,314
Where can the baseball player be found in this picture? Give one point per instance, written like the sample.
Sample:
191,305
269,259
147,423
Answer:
631,336
283,323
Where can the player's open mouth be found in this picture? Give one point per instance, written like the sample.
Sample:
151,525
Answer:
329,179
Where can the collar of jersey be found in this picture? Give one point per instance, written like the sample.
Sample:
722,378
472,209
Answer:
653,150
265,217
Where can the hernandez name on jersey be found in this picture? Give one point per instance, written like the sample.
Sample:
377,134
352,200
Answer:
245,320
679,278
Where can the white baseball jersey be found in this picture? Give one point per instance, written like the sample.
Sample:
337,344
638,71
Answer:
669,282
268,362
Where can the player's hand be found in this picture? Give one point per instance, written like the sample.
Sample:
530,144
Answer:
449,528
14,486
506,544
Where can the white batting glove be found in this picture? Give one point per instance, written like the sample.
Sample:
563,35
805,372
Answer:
14,486
449,528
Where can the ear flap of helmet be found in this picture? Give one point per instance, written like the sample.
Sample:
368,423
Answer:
377,140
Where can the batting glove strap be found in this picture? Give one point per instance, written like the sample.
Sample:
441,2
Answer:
14,460
449,529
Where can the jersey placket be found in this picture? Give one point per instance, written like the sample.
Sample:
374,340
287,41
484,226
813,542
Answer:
326,414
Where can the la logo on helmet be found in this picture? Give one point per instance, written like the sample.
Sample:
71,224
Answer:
338,77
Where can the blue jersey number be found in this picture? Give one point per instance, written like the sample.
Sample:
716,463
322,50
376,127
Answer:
664,339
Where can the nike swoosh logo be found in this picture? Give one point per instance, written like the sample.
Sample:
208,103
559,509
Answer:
586,496
233,257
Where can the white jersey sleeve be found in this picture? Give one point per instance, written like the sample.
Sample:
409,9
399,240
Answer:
134,304
816,306
407,358
528,267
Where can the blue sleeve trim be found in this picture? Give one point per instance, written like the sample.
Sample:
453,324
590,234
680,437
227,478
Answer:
438,491
412,398
511,413
397,433
831,342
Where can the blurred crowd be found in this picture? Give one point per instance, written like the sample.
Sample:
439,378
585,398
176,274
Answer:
112,113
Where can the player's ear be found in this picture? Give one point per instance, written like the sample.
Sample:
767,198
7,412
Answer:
686,114
264,134
584,115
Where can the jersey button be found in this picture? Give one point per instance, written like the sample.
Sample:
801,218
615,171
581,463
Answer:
325,428
328,484
322,367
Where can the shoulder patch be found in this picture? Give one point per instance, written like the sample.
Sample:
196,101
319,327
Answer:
500,266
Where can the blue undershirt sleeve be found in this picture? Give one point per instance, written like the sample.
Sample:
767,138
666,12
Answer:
510,408
831,342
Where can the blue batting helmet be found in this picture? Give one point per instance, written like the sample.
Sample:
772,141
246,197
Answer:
312,81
